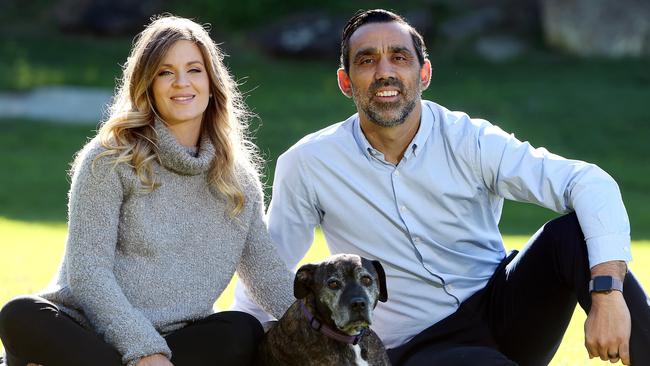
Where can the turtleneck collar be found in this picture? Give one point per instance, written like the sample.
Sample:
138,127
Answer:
177,158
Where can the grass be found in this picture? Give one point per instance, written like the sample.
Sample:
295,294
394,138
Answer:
590,110
31,254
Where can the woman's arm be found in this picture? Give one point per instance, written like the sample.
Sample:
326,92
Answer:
267,278
96,197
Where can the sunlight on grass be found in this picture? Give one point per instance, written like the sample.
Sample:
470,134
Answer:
31,252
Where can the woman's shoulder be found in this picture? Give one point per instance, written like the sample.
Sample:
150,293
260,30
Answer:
97,160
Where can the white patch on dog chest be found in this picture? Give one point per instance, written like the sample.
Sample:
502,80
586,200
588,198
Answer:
357,356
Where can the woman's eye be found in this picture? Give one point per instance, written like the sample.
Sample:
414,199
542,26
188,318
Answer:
334,285
195,70
366,280
164,73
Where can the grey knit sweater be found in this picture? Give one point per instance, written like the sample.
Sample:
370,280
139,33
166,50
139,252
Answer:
138,265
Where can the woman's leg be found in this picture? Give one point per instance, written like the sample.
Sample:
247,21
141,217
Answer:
33,329
228,338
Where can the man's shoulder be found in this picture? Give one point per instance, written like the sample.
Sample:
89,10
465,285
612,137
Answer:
333,136
456,126
455,119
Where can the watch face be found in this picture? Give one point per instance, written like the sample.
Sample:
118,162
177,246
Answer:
603,283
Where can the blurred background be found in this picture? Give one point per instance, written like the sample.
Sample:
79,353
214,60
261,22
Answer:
570,75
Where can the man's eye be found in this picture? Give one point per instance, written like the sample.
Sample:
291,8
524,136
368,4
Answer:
366,61
333,284
366,280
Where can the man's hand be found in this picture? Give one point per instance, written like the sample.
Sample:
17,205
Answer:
154,360
608,325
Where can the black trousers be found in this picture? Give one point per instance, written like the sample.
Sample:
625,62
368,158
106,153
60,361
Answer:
35,330
521,315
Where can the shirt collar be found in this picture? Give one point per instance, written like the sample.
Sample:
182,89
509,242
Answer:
421,137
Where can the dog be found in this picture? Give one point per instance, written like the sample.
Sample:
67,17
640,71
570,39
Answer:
329,322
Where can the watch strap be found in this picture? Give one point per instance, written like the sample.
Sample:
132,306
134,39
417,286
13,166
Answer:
605,284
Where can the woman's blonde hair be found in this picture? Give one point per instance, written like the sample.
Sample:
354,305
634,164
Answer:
129,133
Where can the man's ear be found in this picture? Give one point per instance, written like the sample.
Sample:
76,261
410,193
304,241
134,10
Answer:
304,280
425,74
344,82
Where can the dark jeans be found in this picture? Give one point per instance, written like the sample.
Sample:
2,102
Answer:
34,330
523,312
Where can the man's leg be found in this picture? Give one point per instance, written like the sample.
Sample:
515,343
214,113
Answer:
228,338
35,330
531,302
461,339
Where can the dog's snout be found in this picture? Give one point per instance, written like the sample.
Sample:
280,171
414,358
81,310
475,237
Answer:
358,303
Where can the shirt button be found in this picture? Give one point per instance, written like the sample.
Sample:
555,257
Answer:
449,287
396,173
627,249
416,239
402,208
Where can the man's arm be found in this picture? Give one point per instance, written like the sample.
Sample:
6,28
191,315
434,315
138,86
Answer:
608,325
517,171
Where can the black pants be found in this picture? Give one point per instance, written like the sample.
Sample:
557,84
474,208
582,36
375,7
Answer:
34,330
523,312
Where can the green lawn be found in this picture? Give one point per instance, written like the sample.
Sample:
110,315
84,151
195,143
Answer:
31,253
585,109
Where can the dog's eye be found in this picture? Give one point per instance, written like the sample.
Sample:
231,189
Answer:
334,284
366,280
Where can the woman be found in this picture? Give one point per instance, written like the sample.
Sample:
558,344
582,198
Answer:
165,204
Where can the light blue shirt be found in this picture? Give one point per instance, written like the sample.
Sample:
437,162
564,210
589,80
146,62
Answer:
432,220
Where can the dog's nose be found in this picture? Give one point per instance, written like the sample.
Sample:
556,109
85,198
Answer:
358,304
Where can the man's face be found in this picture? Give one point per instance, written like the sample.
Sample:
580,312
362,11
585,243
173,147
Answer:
385,75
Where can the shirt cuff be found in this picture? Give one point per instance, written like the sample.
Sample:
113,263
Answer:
605,248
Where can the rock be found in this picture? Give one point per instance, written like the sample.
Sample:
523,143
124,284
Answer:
318,35
471,24
305,35
105,17
499,48
598,27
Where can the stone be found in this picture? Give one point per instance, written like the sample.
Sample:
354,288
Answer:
606,28
105,17
500,47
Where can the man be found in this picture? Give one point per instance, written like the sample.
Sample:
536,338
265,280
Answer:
421,188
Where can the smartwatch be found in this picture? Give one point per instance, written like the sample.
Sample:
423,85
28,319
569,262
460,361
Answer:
605,284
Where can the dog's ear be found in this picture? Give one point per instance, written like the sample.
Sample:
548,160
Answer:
383,291
304,280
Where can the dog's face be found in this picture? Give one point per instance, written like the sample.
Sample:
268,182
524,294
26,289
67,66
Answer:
345,288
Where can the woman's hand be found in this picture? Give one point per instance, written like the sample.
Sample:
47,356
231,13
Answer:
154,360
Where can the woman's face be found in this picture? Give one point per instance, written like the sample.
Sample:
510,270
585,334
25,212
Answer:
181,87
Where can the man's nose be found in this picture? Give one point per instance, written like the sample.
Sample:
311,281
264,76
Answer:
384,69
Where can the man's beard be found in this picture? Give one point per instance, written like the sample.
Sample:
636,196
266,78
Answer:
380,113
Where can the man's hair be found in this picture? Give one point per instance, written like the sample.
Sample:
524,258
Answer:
363,17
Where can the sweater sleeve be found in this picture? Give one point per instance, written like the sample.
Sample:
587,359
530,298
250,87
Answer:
95,200
267,278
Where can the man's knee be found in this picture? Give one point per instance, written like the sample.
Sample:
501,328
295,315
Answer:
565,225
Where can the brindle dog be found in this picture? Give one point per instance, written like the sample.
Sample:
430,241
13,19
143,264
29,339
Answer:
328,324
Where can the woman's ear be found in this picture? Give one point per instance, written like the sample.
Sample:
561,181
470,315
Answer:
344,82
